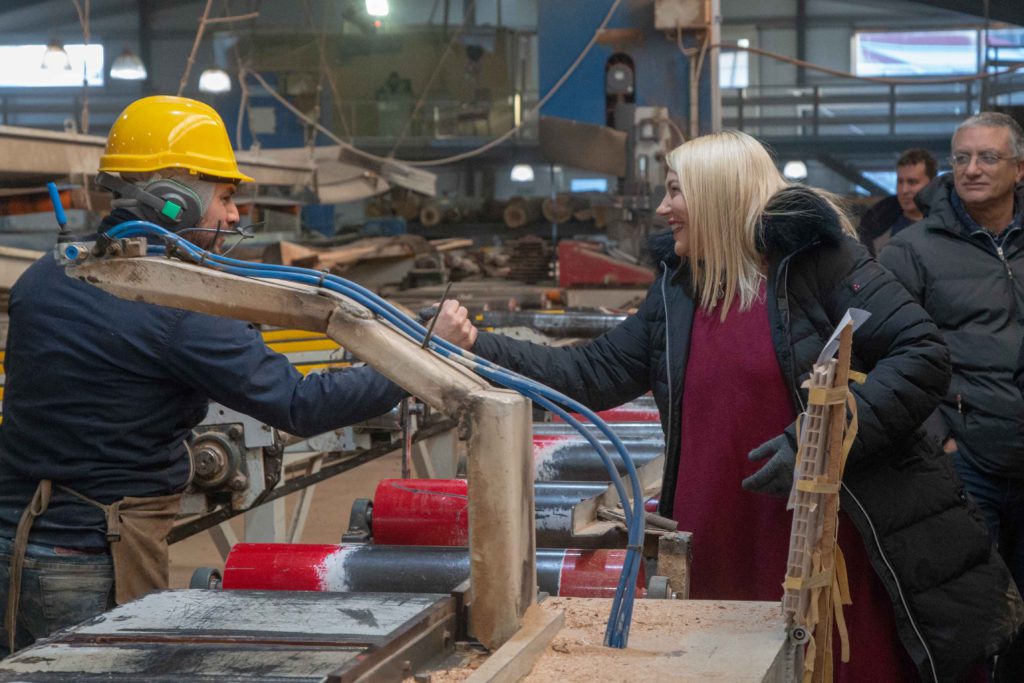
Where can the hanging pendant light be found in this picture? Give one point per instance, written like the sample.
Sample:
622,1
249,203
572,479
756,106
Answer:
377,8
128,67
214,80
56,57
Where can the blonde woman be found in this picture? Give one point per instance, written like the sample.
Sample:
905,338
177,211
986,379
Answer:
755,274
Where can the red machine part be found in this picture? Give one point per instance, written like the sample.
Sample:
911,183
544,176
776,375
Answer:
421,512
594,574
277,566
582,264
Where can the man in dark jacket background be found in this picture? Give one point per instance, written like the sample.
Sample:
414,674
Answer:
914,170
964,263
102,393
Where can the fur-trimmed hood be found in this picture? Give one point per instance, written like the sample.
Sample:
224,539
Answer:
797,217
794,218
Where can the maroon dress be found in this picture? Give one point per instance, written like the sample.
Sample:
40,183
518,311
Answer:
735,399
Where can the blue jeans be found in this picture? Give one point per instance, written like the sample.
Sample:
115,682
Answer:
57,591
1002,504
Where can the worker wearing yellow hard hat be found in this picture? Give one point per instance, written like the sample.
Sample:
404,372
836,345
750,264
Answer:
102,393
175,167
162,132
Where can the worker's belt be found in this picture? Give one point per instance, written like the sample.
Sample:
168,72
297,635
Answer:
137,531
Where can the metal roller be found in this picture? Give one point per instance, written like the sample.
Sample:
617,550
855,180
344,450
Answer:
572,458
624,430
553,323
432,512
401,569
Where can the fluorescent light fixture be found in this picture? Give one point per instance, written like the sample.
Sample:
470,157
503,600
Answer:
794,170
743,42
522,173
377,8
56,57
214,80
128,67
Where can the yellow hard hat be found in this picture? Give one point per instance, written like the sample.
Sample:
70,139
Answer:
171,132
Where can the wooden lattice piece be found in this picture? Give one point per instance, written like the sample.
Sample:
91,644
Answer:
814,589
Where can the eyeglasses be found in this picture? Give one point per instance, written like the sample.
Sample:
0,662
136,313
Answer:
989,159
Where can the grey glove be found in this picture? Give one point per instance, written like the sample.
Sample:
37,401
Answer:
775,478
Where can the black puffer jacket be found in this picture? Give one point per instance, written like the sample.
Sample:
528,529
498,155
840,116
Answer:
974,292
954,600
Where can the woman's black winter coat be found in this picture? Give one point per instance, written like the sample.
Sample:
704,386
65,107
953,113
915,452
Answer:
954,600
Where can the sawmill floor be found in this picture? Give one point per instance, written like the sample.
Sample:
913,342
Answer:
327,520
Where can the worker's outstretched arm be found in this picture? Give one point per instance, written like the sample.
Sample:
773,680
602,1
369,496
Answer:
229,361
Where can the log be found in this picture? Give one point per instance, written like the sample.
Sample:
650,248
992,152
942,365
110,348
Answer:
561,208
433,214
521,211
406,204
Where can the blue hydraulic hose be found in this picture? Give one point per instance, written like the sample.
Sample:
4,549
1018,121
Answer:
617,633
409,326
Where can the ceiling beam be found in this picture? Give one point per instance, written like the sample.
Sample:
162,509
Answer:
1010,11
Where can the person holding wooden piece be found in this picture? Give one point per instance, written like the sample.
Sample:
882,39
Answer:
755,275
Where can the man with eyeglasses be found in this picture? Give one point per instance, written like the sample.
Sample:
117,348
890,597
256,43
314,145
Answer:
964,263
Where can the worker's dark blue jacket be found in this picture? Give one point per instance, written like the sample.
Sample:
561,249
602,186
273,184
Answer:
101,393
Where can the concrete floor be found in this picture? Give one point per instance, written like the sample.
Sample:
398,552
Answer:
327,520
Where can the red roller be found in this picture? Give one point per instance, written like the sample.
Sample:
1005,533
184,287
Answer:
593,573
278,566
375,568
421,512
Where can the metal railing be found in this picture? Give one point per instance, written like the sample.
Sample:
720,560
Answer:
435,119
864,108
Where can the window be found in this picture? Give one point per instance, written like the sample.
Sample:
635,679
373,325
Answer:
588,185
915,53
886,179
733,69
1005,47
21,66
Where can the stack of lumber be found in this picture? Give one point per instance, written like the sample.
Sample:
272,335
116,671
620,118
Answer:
339,259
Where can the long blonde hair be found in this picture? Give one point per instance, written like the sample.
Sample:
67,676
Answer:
726,180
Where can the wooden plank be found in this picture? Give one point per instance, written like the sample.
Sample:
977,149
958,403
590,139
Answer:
451,243
502,530
513,660
181,285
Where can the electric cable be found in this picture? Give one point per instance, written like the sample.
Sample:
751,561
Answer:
617,631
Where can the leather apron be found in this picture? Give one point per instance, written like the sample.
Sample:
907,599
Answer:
137,531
